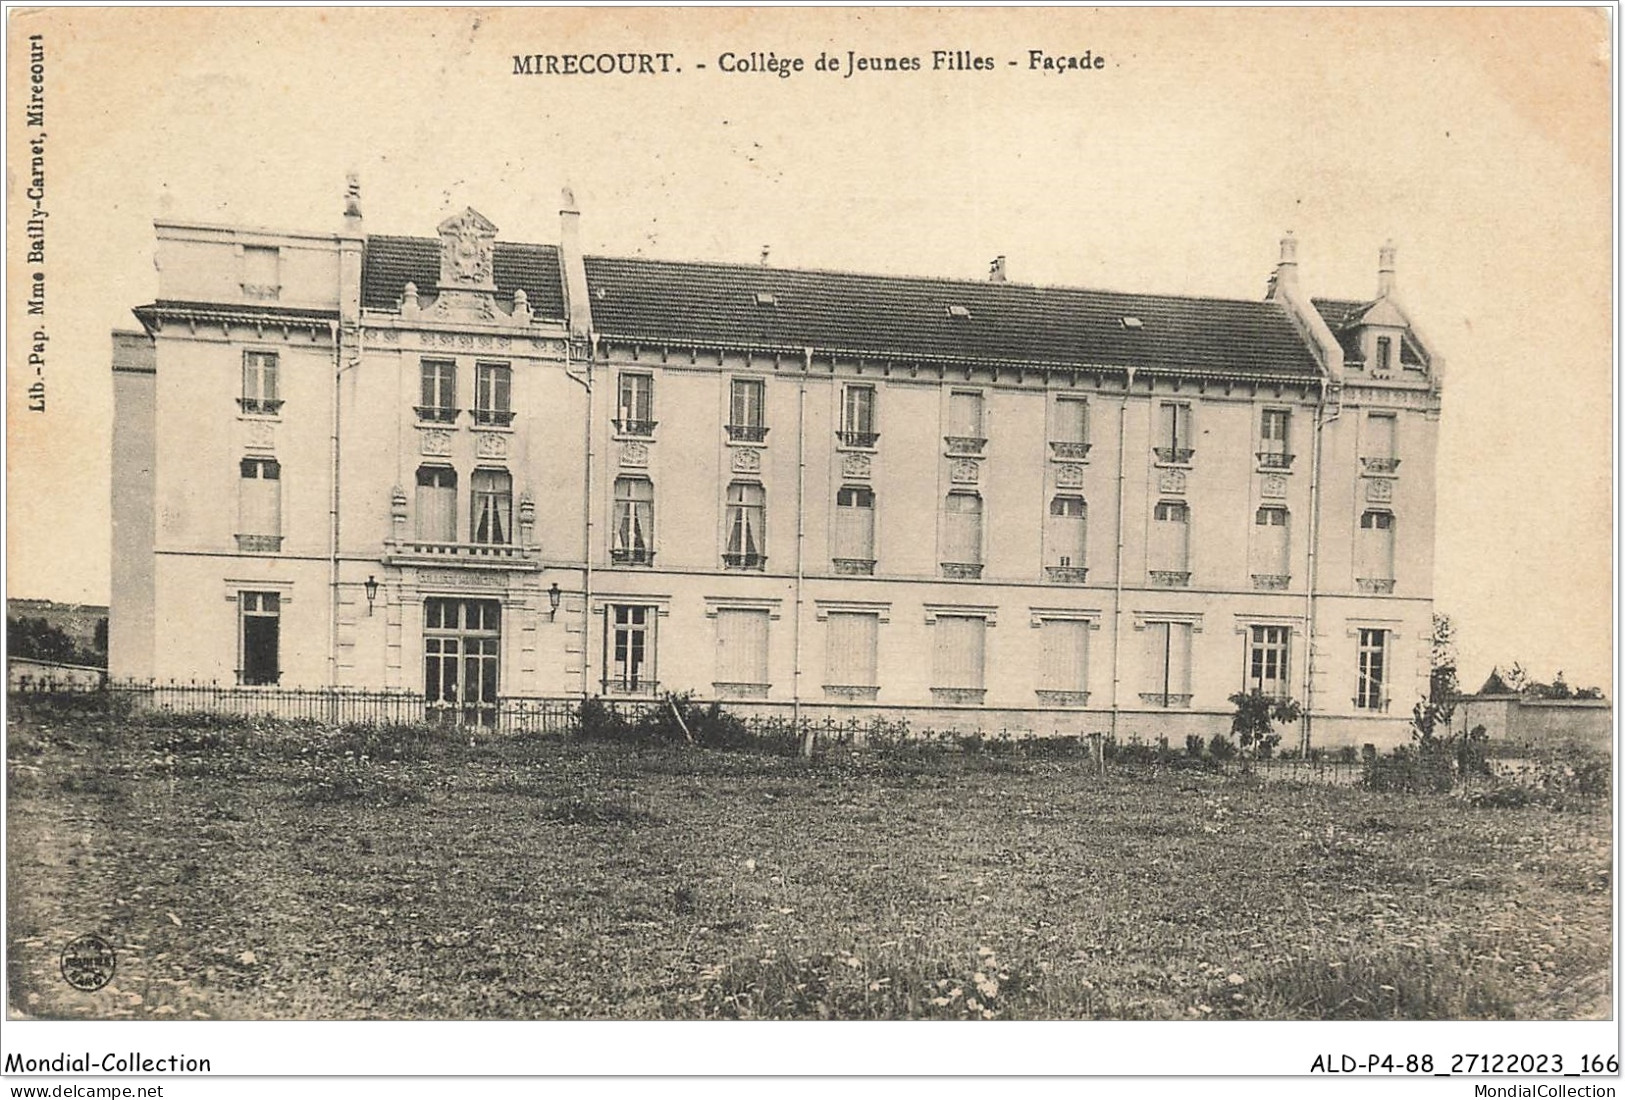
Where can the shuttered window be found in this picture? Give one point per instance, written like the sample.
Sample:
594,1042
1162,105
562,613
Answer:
1374,558
1167,662
742,646
1066,654
960,644
965,414
1271,542
1171,537
851,641
962,528
1071,420
259,499
437,504
1065,532
855,523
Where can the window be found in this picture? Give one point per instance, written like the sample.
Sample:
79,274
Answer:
259,505
437,504
746,518
741,648
1065,669
1174,433
858,417
962,531
491,522
1064,538
262,277
1378,451
629,665
854,529
462,647
633,536
1069,432
493,384
851,639
1385,354
965,415
746,410
1371,691
1169,559
959,645
1271,545
260,383
438,399
260,615
1167,664
1273,450
1374,554
1267,661
636,404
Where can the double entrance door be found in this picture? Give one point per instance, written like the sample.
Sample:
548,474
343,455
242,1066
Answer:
462,655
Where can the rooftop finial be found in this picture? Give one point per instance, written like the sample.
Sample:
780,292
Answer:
567,198
766,248
1284,280
995,271
1385,269
1289,248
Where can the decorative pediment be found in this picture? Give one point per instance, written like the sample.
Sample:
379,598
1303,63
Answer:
467,245
1384,313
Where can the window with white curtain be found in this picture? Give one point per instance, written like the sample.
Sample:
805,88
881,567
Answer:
492,518
1065,533
746,520
632,534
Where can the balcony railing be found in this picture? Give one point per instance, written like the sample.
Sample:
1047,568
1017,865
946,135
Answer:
631,686
1166,698
861,440
1275,460
962,570
733,690
1271,582
958,697
483,555
493,418
1170,578
1066,574
854,567
1377,586
746,433
436,414
854,692
1174,456
745,561
259,406
965,444
1069,450
1380,465
643,428
624,556
259,544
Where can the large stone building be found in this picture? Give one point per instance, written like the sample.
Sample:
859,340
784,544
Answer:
481,469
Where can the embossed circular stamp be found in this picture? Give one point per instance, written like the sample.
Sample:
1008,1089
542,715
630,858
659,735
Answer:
88,963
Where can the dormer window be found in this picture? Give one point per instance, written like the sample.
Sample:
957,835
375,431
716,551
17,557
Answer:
1385,354
1133,323
763,298
959,313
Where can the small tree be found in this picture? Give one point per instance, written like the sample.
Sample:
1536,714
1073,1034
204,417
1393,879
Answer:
1255,718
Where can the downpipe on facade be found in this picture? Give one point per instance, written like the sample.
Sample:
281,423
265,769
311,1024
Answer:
801,540
1117,565
1321,420
585,381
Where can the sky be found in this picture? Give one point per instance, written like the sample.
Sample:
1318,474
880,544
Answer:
1478,140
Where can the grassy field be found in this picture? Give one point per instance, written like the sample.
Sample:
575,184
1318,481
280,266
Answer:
286,872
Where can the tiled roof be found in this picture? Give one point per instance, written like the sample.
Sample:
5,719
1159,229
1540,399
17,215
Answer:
1343,317
912,318
389,263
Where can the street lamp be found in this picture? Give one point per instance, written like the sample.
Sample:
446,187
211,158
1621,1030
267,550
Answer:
371,586
553,597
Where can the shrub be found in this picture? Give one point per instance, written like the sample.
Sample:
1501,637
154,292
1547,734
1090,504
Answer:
1255,717
1221,747
1193,745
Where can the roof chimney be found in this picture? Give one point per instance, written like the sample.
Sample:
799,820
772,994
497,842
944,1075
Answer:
995,273
766,248
1385,270
1286,271
576,303
352,202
